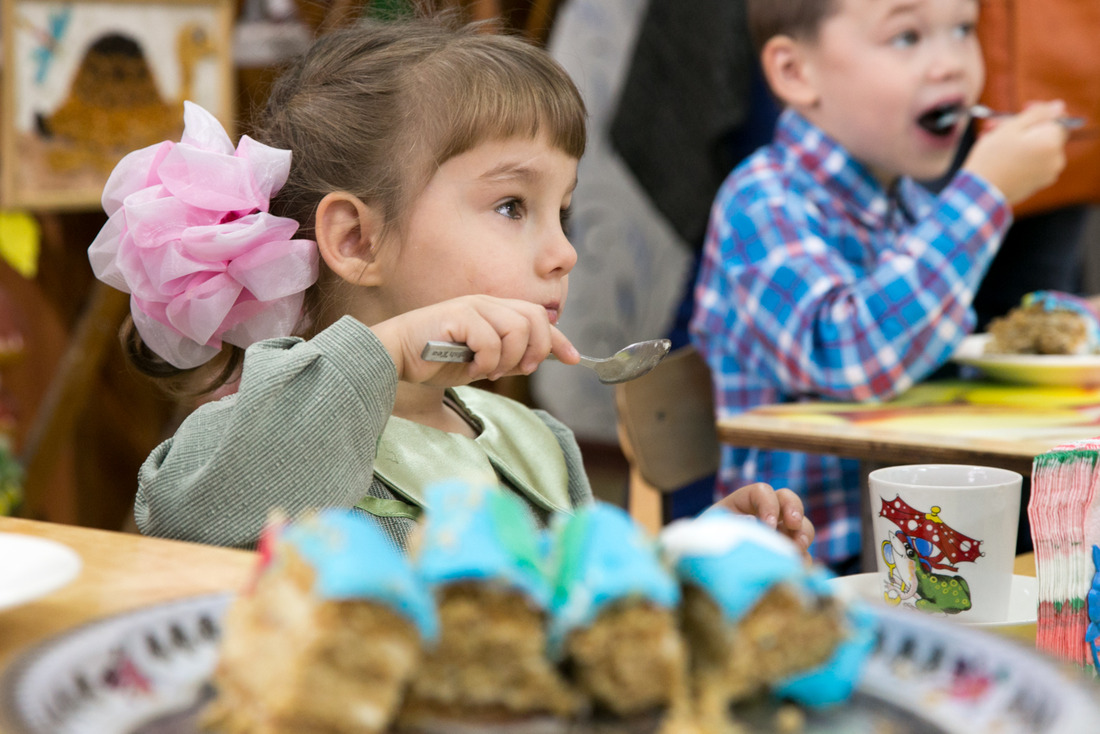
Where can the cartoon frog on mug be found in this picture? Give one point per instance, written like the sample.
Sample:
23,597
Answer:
921,560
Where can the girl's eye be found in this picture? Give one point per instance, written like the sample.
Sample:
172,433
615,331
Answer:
566,218
512,208
905,39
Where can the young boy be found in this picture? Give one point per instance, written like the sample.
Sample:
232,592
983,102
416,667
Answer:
827,270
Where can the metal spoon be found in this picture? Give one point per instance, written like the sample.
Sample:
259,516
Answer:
944,121
624,365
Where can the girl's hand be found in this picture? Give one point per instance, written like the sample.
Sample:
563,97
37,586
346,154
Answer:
1023,153
508,337
780,509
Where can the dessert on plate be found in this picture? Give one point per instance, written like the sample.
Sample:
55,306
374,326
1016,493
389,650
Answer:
615,621
328,635
477,550
490,624
756,619
1046,322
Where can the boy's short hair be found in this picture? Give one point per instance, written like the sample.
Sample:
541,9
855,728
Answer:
799,19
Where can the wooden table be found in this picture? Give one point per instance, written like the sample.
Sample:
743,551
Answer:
954,422
121,571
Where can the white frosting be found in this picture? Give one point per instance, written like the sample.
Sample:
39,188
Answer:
718,532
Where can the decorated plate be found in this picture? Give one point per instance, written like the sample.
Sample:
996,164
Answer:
1080,370
147,672
31,567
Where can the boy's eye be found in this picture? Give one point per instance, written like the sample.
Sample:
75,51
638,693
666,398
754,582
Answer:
905,39
566,217
512,208
965,30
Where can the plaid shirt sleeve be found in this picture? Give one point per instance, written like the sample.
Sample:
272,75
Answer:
793,292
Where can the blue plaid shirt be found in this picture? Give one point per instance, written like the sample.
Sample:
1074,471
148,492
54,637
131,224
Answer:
818,282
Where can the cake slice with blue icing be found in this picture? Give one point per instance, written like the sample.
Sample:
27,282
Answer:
614,613
755,616
481,554
1047,322
328,634
491,625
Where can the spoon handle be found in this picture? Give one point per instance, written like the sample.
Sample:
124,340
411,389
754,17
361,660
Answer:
986,113
441,351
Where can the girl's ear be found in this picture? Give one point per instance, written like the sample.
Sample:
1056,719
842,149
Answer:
348,233
789,70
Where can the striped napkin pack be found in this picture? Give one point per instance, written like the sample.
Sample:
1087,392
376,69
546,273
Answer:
1064,512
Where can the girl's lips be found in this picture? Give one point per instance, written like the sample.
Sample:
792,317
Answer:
553,313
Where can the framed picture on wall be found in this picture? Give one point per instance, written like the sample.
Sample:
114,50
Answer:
85,82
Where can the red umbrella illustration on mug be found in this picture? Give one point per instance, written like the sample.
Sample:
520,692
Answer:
926,546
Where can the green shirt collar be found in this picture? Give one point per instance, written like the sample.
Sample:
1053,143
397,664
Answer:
514,447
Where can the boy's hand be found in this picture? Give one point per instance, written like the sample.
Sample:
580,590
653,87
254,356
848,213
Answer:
780,509
508,337
1023,153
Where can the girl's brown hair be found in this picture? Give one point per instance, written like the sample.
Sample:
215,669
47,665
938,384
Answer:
375,108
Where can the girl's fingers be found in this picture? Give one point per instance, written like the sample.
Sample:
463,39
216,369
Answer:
793,521
758,500
562,348
765,504
780,509
524,333
515,346
805,534
791,510
507,336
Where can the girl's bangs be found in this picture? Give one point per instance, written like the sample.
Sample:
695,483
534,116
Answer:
501,101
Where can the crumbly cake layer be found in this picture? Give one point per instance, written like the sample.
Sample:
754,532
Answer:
490,662
293,664
782,634
631,660
479,652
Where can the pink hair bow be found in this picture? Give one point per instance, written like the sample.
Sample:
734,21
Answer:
190,239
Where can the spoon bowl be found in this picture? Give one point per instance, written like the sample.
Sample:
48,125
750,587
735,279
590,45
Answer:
624,365
630,362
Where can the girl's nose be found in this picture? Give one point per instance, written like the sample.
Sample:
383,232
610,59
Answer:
558,255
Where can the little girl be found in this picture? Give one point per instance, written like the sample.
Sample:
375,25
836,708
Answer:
430,167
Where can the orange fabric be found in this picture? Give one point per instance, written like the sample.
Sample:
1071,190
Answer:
1048,49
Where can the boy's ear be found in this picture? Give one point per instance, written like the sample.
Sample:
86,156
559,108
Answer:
789,71
348,234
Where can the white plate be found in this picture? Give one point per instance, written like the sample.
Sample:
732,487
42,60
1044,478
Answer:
146,672
1080,370
31,567
1023,600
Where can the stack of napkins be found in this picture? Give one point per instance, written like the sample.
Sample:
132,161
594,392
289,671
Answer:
1065,529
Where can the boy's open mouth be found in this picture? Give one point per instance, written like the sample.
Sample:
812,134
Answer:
941,120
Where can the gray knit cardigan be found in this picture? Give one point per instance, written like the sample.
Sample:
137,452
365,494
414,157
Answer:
300,433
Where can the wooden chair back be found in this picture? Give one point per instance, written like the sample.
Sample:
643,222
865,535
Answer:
667,431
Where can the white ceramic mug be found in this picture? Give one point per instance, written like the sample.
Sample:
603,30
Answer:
945,537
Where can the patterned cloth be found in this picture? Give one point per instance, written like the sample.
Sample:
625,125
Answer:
816,281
